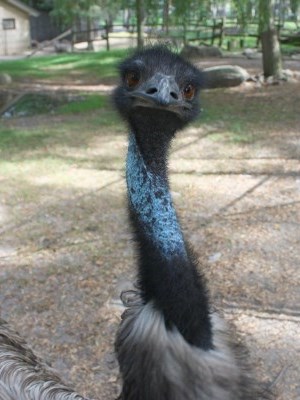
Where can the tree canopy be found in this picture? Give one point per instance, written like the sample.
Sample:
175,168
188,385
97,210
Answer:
267,15
164,11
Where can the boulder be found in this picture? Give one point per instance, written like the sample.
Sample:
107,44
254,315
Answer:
192,52
252,54
5,79
6,99
64,46
223,76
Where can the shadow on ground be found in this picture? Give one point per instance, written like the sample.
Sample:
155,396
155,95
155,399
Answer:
66,249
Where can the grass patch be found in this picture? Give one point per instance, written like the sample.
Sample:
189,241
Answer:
241,119
71,125
36,103
234,134
12,140
87,103
239,133
249,42
90,64
289,49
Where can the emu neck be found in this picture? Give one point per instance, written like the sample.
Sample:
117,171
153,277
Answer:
167,271
150,199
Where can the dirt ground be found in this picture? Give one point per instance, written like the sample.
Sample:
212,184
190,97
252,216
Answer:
66,250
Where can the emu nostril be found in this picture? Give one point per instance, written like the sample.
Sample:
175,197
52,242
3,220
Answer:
174,95
151,90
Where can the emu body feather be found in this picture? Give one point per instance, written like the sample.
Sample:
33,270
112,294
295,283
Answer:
157,363
24,376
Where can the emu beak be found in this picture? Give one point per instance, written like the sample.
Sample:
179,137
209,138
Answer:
161,91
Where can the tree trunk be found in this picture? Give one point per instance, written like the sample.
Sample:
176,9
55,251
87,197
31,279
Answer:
272,65
140,22
90,45
166,15
271,53
107,35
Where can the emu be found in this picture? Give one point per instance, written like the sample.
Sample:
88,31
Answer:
171,344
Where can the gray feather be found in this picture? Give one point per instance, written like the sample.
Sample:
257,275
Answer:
23,376
158,364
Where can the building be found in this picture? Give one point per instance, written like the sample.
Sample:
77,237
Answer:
14,26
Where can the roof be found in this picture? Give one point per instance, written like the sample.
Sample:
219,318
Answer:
23,7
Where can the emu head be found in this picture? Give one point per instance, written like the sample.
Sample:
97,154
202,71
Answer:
158,90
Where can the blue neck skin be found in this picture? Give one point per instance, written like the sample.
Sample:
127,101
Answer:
150,200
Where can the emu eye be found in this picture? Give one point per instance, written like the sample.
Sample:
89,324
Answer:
132,79
189,92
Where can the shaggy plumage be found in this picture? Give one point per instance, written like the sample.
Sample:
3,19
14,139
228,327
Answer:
23,376
158,363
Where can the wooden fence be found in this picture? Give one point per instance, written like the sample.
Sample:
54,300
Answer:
195,33
209,34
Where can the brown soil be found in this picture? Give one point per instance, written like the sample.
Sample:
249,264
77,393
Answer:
66,253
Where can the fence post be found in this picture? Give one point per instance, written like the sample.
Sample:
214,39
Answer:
107,35
185,41
222,31
213,32
72,39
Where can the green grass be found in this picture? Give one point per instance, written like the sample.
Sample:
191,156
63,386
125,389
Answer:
87,103
77,121
232,119
19,139
36,103
249,41
91,64
288,49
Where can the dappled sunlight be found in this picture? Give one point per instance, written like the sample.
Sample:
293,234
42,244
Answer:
31,167
112,146
7,251
79,178
58,67
71,64
277,166
4,214
65,239
244,224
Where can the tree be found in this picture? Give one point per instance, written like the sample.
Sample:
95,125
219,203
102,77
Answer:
272,65
107,10
68,12
166,10
140,18
295,8
182,14
41,5
244,9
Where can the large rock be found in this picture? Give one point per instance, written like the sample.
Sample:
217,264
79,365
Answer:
252,54
5,79
5,99
192,52
64,46
223,76
296,57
